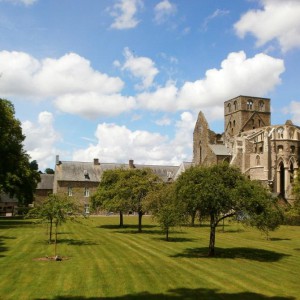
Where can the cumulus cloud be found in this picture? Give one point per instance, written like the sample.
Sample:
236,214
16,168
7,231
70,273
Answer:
119,144
277,20
142,68
124,12
238,75
70,80
294,110
163,10
40,139
92,105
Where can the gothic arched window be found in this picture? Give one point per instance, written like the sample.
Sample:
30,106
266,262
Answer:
250,104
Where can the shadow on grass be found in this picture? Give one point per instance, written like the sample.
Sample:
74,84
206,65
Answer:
175,239
115,226
74,242
184,293
278,239
14,222
3,248
261,255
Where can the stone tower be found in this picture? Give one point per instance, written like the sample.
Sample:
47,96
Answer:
245,113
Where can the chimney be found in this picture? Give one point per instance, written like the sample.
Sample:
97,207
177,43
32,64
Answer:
57,161
96,161
131,164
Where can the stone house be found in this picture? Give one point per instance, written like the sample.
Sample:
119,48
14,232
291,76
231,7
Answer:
265,152
8,205
81,179
44,187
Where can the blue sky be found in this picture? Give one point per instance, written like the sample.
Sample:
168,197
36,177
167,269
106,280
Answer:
126,79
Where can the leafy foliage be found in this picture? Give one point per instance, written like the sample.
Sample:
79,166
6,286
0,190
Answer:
221,191
18,176
124,189
165,207
55,210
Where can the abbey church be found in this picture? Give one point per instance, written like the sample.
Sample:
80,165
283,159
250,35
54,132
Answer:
265,152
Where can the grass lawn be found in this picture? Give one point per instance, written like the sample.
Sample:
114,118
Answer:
106,262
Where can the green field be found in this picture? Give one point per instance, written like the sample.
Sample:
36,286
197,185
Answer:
106,262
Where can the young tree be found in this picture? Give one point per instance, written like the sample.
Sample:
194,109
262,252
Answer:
55,210
165,207
223,192
18,177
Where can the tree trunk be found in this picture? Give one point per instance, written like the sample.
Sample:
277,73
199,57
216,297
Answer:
140,213
212,238
121,219
55,242
167,234
50,231
193,216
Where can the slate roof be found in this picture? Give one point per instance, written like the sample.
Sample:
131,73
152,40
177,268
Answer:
88,171
167,173
46,182
77,171
220,150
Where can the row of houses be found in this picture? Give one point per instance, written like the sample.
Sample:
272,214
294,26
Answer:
81,179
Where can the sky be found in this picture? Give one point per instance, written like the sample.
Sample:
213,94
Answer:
126,79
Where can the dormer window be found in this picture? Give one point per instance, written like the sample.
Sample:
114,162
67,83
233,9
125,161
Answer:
86,174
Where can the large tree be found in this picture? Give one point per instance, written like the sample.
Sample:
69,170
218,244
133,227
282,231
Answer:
124,189
223,192
18,176
108,196
165,207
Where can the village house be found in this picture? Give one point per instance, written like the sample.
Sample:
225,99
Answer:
81,179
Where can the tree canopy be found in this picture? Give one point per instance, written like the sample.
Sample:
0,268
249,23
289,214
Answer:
221,191
165,207
55,210
124,189
18,176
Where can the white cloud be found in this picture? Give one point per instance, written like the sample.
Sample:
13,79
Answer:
140,67
277,20
92,105
26,2
119,144
163,99
163,10
124,12
238,75
217,13
294,110
69,80
164,121
40,139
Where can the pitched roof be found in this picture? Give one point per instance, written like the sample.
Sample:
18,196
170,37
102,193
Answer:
166,173
46,182
77,171
219,150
